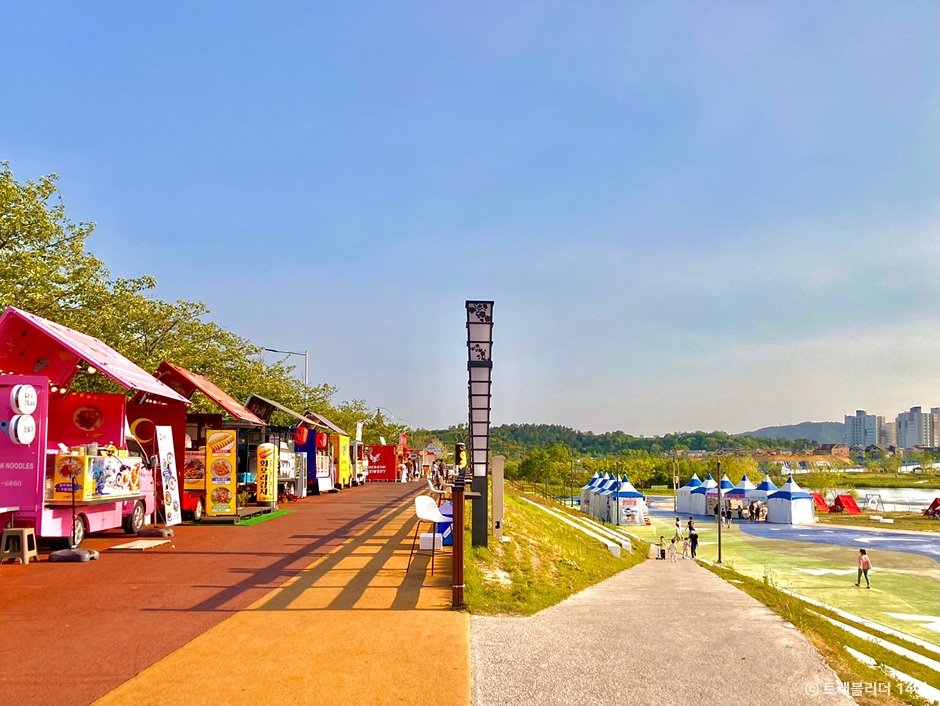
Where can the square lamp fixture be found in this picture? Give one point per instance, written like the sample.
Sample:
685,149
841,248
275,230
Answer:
480,367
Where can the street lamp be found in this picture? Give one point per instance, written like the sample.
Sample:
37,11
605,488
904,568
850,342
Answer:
304,354
719,515
480,369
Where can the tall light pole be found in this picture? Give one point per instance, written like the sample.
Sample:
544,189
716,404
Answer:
304,354
719,515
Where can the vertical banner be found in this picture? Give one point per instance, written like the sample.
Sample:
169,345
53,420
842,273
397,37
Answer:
169,486
221,461
267,474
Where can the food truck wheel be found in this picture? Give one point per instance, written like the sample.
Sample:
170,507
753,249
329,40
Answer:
78,532
134,521
197,511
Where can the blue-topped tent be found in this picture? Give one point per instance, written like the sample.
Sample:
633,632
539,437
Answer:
763,489
742,488
791,505
598,503
586,492
698,504
625,505
684,495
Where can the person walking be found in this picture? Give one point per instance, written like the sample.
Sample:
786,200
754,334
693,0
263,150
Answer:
693,542
864,564
685,548
672,551
678,534
662,547
690,525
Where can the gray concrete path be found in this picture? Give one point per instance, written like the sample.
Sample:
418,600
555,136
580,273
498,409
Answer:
659,633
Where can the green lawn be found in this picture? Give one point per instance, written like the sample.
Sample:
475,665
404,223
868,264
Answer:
901,583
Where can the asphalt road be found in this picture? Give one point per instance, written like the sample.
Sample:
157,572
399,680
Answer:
910,542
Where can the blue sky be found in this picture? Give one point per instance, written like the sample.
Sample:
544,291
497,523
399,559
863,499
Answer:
689,215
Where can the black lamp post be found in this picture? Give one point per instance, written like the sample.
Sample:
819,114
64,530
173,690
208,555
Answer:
480,368
719,515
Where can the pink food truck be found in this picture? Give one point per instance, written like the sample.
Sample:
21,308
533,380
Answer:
66,465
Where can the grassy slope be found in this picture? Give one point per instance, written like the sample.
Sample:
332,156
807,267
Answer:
544,562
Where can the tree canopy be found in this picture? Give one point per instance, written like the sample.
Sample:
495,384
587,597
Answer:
46,269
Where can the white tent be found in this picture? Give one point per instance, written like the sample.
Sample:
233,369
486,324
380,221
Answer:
711,494
598,501
586,492
624,504
684,495
765,488
697,506
791,505
742,488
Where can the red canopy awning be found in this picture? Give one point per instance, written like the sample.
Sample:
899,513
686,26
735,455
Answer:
32,345
187,382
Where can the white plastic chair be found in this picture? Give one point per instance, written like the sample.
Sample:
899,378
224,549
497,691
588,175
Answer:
438,495
427,511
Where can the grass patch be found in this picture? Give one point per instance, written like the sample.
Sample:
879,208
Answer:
544,562
831,641
835,479
257,519
902,520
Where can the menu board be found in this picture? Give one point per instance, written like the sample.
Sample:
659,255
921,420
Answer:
95,477
170,488
221,462
194,472
267,473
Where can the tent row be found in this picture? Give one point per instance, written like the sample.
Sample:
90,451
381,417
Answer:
614,500
788,504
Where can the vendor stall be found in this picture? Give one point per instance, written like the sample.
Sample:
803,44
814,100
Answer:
68,468
586,492
712,496
291,447
762,491
684,495
737,496
598,501
203,468
791,505
383,463
625,505
697,505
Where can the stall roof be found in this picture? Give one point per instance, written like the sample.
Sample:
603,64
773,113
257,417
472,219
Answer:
264,408
323,421
30,345
187,382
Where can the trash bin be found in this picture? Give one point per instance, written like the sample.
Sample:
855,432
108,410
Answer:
446,528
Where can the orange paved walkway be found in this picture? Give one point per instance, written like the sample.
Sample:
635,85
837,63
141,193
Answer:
352,628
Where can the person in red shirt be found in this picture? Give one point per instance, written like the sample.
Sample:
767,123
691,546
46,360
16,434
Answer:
864,564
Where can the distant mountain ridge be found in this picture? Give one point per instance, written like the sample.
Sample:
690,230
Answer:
820,432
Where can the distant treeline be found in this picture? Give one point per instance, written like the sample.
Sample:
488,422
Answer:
515,440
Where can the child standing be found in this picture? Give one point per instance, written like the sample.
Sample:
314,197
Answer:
671,552
662,547
685,548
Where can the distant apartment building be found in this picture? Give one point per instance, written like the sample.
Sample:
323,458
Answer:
889,434
918,428
862,429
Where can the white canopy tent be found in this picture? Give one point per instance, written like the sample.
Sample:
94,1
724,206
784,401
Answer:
697,506
625,505
586,492
764,488
791,505
711,494
684,495
598,501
